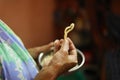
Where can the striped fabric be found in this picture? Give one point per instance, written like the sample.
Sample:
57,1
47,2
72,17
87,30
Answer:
15,61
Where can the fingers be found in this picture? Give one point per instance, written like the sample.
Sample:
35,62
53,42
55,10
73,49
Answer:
67,45
72,59
64,45
72,53
45,48
66,55
72,47
56,45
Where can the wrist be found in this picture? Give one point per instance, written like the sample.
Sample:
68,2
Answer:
56,69
47,73
53,70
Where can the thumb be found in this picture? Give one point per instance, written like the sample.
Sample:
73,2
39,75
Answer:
65,45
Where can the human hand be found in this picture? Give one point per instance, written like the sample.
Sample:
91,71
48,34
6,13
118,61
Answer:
34,52
65,56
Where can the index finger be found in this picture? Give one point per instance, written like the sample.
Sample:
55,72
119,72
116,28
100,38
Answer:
65,45
72,47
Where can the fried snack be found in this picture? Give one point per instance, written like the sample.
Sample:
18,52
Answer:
68,29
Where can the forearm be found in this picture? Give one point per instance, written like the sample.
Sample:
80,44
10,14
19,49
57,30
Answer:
47,73
33,52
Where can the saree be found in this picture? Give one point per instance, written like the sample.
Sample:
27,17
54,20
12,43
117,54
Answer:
15,61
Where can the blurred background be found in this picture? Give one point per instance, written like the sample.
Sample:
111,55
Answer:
38,22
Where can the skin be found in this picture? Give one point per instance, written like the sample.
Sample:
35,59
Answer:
65,57
34,52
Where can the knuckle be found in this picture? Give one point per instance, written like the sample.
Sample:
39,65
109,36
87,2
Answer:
76,61
73,59
64,51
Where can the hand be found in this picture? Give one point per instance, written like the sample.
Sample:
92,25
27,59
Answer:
65,56
36,50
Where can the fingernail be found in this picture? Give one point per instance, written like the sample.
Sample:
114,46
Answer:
56,41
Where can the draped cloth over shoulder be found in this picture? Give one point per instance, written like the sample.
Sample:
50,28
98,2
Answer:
15,61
